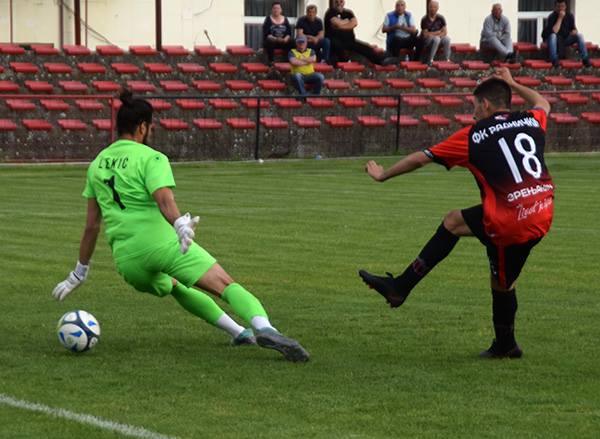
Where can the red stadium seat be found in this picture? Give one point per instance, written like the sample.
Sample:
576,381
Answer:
125,68
352,102
174,124
320,102
527,81
596,96
207,51
435,120
464,119
475,65
448,101
413,66
537,64
89,104
240,123
39,86
564,118
595,62
54,104
445,66
142,50
510,66
102,124
75,50
463,48
73,86
306,122
37,124
159,104
175,51
141,86
206,85
336,84
106,86
255,67
190,68
8,87
109,50
283,67
190,104
338,121
385,101
399,83
1,69
323,68
388,68
72,125
253,103
20,105
239,50
173,85
156,68
223,104
591,117
222,67
238,84
271,84
24,67
91,68
351,66
7,125
524,47
416,101
517,100
208,124
405,121
588,79
570,64
559,81
56,67
431,83
550,98
287,103
11,49
273,122
368,84
463,82
371,121
574,98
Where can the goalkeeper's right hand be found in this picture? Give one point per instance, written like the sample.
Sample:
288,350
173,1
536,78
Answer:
73,280
184,226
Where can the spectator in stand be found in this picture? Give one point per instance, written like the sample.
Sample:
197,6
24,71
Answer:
399,25
434,32
312,28
560,32
277,32
302,60
339,28
495,35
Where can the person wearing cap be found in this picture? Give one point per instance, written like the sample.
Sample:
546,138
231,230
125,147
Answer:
312,28
302,60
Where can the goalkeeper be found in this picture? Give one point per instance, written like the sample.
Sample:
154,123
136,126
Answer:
129,185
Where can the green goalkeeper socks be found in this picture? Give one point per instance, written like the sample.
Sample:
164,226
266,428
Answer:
243,302
197,303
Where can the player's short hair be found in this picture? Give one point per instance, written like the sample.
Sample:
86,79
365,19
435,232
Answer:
496,91
132,113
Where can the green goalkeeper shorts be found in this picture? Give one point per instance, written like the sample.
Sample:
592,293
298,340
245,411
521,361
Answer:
153,272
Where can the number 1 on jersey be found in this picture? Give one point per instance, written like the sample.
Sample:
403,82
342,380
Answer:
111,184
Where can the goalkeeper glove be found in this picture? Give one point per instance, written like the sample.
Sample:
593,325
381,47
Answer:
184,226
73,280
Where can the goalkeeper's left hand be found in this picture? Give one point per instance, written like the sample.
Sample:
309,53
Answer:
184,227
73,280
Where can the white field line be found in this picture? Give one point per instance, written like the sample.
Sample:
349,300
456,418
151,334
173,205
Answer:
124,429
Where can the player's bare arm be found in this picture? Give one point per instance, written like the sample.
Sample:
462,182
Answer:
407,164
90,232
165,199
531,96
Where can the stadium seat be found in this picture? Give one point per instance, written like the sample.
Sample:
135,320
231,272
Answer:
287,103
527,81
351,102
559,81
537,64
8,87
239,84
564,118
7,125
255,67
282,67
159,104
323,68
385,101
223,104
109,50
371,121
141,86
448,101
20,105
56,67
386,69
24,67
338,121
306,122
413,66
91,68
76,50
574,98
435,120
551,98
510,66
222,67
475,65
173,85
143,50
271,84
416,101
351,66
445,66
320,102
1,69
404,121
89,104
463,48
72,125
236,50
206,85
37,125
588,79
73,86
368,84
595,62
591,117
175,50
253,103
102,124
54,104
106,86
174,124
157,68
125,68
190,68
240,123
45,50
273,122
462,82
336,84
208,124
596,96
11,49
190,104
39,86
431,83
525,47
399,83
464,119
570,64
517,100
207,51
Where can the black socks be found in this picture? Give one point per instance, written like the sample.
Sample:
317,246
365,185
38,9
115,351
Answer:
504,308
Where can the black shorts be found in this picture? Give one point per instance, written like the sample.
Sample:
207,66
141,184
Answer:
507,262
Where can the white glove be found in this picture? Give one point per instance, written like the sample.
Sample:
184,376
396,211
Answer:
73,280
184,226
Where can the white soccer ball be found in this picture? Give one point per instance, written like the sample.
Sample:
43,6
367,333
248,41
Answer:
78,331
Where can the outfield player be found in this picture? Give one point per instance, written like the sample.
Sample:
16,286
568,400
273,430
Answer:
504,151
129,186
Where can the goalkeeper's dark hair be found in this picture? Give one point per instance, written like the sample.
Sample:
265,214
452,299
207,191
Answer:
132,113
496,91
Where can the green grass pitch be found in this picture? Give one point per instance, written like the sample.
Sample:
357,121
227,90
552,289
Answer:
295,233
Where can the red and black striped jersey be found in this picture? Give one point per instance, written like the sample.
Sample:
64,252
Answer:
505,154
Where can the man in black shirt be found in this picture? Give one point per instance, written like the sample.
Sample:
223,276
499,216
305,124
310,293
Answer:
339,28
560,32
311,27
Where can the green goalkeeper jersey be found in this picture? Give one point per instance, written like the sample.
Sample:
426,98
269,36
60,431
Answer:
122,179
